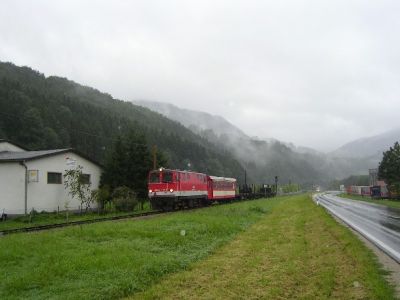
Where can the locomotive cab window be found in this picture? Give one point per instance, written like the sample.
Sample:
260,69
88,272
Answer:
167,177
154,177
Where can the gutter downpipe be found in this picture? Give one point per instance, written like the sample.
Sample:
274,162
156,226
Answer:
26,185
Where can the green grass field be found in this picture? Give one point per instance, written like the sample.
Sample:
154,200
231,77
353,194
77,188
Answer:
296,251
389,203
57,218
115,259
278,248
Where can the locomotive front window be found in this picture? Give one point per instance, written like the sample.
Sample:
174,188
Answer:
167,177
154,177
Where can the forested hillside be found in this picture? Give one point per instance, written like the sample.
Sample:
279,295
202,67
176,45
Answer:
53,112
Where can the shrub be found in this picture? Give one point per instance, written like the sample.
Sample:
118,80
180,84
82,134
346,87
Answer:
101,196
124,199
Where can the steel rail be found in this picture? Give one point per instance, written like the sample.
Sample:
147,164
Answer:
74,223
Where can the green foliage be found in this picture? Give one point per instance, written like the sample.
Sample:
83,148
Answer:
102,195
290,188
128,164
77,187
124,199
389,168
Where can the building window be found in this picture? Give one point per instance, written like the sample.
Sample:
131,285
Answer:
53,177
85,178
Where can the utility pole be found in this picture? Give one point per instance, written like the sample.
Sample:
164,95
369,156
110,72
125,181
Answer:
276,185
154,157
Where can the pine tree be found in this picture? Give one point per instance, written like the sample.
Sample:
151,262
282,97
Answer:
128,164
389,168
114,170
139,162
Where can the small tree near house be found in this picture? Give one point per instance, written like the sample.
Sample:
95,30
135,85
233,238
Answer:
78,186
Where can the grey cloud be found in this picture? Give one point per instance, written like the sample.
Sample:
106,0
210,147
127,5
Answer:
317,73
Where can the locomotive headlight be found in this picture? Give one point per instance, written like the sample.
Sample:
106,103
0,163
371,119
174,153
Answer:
171,190
150,191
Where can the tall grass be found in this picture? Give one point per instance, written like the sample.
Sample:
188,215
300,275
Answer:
115,259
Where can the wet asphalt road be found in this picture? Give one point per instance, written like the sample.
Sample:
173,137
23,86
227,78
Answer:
379,224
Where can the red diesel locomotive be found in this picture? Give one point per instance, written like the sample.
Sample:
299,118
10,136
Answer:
176,189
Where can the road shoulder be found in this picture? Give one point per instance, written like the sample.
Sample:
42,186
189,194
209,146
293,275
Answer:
388,264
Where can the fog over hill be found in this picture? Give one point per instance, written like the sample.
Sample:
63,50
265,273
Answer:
268,157
196,120
372,146
199,121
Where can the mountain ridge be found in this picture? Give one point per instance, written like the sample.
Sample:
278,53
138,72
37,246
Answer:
370,146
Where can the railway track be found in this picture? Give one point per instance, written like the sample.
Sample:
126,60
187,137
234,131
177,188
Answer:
83,222
74,223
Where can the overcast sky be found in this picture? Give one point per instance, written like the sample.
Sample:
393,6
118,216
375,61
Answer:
315,73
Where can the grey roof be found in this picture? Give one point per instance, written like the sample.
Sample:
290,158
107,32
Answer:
8,141
14,156
29,155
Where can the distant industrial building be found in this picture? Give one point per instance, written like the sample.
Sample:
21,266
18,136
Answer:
376,189
373,177
34,179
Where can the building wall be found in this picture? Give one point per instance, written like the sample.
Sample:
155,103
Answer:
41,195
6,146
12,188
50,197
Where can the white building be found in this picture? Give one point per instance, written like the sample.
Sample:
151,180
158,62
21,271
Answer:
34,179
